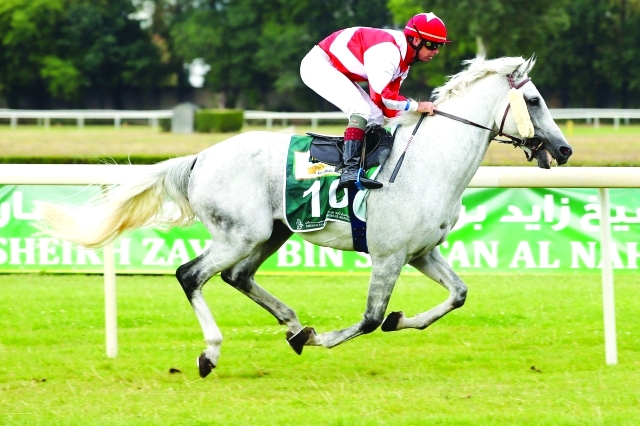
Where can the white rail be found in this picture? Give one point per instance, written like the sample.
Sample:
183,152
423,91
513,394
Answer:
591,115
486,177
80,115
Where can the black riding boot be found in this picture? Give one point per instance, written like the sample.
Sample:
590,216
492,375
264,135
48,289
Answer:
351,158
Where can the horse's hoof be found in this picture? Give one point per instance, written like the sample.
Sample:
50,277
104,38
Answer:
390,323
298,340
204,365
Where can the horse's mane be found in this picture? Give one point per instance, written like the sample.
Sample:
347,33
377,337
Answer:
476,69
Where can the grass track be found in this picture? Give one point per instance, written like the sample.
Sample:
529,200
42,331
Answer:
524,350
604,146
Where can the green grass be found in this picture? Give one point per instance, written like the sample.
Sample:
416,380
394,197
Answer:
605,146
524,350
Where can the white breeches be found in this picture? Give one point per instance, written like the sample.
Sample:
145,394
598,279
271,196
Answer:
320,75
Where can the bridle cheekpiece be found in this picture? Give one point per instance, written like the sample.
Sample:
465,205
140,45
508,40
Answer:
530,145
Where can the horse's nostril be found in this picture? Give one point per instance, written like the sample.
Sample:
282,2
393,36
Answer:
566,151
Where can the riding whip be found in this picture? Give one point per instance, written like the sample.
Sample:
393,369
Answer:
401,159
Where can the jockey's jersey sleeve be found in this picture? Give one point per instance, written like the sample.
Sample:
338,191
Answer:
378,56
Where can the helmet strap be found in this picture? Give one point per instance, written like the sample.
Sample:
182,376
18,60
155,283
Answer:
416,48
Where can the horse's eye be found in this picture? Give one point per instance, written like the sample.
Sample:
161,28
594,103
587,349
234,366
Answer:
534,101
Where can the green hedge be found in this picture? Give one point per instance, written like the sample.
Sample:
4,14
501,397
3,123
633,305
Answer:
165,124
219,120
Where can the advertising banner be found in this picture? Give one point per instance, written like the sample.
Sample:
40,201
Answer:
499,230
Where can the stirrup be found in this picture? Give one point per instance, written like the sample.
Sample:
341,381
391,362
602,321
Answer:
363,183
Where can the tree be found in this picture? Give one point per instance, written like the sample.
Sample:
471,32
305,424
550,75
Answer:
490,27
55,48
109,49
254,47
26,30
595,58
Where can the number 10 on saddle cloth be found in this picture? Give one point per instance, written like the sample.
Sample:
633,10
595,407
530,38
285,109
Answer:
311,193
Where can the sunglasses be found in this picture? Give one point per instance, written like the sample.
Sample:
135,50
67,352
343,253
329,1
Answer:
432,45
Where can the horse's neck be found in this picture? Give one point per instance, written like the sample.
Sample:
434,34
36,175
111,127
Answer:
478,104
457,146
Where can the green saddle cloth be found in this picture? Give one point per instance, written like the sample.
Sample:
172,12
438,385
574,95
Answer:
311,193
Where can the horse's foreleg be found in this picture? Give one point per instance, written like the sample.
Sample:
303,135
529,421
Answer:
241,277
384,274
434,266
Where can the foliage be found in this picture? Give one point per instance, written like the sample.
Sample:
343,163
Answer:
57,47
490,27
255,47
165,124
587,49
219,121
596,57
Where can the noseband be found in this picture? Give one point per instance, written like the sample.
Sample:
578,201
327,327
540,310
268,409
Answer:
533,145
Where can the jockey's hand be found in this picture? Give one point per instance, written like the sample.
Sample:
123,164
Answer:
427,107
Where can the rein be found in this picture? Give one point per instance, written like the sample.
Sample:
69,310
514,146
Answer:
532,144
515,141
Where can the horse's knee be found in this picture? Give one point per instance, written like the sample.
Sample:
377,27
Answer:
369,324
459,297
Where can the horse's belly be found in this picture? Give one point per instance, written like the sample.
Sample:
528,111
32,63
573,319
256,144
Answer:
336,235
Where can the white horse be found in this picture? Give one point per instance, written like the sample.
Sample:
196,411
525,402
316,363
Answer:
235,189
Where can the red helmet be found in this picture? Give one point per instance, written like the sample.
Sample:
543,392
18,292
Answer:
427,26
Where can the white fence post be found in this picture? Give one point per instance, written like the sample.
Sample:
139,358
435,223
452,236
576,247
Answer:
110,304
608,301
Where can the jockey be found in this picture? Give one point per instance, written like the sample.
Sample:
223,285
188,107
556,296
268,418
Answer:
380,57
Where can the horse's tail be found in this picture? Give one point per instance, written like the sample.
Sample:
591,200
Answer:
125,207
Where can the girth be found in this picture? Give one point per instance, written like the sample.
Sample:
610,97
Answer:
328,149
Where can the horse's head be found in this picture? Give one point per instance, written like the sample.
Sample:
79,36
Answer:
526,115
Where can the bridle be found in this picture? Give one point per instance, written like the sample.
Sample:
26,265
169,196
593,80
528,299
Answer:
532,145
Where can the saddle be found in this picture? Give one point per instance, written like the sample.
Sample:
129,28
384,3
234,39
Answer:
328,149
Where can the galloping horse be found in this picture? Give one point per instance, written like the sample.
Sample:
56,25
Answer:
235,189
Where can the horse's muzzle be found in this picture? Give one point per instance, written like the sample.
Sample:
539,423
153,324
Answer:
563,153
559,150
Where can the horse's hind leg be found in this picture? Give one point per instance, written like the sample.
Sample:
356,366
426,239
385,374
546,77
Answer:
241,277
194,274
434,266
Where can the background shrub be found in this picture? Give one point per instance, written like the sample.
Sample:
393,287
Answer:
165,124
219,120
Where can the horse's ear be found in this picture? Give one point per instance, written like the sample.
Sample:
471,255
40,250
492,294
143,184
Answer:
532,61
526,66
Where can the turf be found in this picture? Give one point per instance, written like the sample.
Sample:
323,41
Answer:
524,350
604,146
